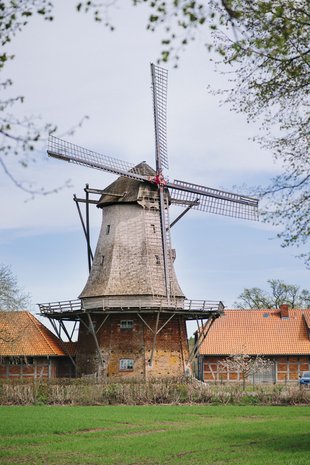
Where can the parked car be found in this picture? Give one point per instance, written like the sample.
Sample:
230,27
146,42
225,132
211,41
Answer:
305,378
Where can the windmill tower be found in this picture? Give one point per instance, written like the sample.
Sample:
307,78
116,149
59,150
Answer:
132,312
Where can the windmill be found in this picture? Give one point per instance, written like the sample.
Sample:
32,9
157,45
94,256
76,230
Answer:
132,312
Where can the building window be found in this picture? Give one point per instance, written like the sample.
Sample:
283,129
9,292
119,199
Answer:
153,228
102,260
126,324
157,260
126,364
19,360
108,228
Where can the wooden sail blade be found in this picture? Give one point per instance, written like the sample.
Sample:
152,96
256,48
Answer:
58,148
165,246
160,86
213,200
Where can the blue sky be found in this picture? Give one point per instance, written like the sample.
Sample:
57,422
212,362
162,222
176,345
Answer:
74,67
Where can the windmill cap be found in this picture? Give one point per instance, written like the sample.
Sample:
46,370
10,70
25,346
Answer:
125,190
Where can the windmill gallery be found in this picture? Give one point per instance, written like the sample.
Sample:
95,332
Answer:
132,312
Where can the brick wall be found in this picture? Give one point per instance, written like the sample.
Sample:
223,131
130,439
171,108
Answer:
133,346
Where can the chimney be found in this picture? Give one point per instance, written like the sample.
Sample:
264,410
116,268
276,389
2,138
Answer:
284,311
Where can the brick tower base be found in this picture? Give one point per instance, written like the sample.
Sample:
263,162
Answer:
126,342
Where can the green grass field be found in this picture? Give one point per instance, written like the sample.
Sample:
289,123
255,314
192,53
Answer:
145,435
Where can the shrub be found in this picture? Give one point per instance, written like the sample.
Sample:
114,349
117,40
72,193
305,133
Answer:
165,391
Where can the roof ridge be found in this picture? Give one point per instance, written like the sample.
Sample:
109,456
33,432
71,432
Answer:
275,310
39,327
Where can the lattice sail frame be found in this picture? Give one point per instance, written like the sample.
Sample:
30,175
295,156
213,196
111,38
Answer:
213,200
63,150
160,89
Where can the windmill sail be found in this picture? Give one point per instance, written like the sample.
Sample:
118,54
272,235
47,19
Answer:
165,236
58,148
213,200
160,86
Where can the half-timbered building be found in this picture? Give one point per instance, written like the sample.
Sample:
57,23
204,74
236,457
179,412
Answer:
29,350
281,335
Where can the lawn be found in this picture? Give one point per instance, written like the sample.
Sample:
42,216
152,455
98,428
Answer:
145,435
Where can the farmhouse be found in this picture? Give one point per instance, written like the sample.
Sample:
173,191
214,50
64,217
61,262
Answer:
29,350
282,336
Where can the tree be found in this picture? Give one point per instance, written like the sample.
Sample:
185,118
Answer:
264,44
12,297
21,137
245,365
280,293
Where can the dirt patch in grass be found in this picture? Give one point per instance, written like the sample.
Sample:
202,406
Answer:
145,433
81,431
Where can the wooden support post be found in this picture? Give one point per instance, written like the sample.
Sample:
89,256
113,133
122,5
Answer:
148,326
52,322
87,227
62,325
195,202
166,322
73,329
102,323
201,337
181,345
92,329
89,251
58,333
154,340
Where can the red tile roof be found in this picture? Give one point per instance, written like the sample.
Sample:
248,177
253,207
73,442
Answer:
259,332
22,334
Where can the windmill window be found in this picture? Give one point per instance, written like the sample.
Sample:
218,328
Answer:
108,229
157,260
153,228
126,364
126,324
